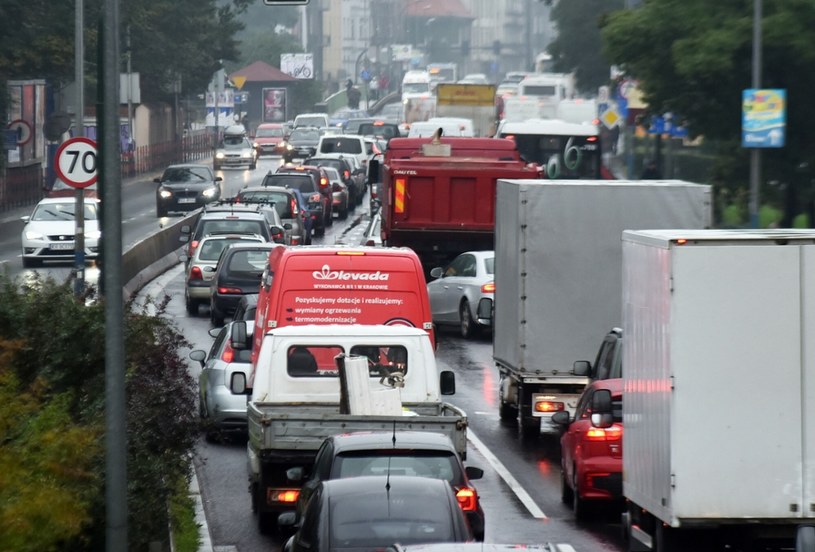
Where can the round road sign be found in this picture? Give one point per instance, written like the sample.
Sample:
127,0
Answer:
76,162
23,130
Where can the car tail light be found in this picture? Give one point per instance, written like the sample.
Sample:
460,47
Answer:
228,354
196,274
467,498
488,288
549,406
613,433
285,496
193,246
323,182
229,291
346,174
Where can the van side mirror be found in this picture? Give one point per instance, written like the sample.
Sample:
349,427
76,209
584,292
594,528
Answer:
198,355
238,335
581,368
447,382
601,409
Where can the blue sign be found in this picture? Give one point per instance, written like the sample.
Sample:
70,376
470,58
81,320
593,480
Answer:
365,75
763,120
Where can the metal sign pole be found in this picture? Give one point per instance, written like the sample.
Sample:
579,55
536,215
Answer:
79,212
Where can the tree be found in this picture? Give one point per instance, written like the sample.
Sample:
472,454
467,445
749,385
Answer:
578,46
694,58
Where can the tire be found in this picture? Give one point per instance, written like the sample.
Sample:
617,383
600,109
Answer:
566,492
266,523
579,506
530,427
319,231
31,263
192,307
216,318
308,239
805,539
343,214
507,412
161,212
330,220
466,322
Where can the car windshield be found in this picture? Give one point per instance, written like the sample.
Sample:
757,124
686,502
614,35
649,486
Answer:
210,250
331,163
437,464
248,262
489,264
303,182
281,200
311,121
186,174
378,520
269,133
232,226
62,211
233,142
304,135
341,145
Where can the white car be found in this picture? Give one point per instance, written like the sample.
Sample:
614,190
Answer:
463,292
50,232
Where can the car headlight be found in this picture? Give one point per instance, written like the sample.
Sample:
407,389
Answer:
95,235
219,155
247,154
31,235
289,147
165,194
209,192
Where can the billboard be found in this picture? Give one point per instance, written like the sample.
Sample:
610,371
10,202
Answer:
274,105
299,66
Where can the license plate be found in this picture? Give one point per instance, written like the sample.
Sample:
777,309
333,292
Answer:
186,200
62,246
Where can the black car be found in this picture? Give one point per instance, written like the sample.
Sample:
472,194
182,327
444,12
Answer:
301,143
318,196
355,191
415,453
375,512
186,188
247,307
238,273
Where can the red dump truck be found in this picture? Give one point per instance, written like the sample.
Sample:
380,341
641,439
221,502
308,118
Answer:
438,196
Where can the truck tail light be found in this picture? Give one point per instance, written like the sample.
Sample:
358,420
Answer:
467,498
488,288
549,406
196,274
282,496
399,196
613,433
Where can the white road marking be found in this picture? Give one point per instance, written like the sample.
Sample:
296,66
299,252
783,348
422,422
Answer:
513,484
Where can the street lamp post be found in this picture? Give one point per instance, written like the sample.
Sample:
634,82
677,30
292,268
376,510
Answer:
755,153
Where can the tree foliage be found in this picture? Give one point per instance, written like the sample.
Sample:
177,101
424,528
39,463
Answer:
578,46
694,58
52,408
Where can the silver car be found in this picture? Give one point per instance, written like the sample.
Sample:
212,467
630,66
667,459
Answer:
287,206
220,409
462,293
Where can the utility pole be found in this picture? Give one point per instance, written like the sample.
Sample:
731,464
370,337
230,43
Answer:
755,153
79,210
129,90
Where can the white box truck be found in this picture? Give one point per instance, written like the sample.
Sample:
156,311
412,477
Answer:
558,264
719,400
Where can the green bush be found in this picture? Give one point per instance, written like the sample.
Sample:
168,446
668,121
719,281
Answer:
52,357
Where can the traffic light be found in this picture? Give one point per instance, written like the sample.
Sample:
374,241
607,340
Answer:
285,2
496,47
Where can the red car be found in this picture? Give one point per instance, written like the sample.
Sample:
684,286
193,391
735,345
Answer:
269,137
591,448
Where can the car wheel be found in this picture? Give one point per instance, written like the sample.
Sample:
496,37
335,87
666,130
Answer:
530,427
579,506
216,318
330,220
28,262
266,523
307,241
319,231
466,322
566,493
192,307
507,412
343,214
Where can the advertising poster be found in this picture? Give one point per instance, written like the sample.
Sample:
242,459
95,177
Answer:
274,105
763,118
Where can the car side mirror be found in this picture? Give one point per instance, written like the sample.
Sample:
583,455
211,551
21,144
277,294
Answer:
436,272
199,356
287,519
561,418
219,179
295,473
473,472
447,382
186,229
26,218
157,180
335,187
287,226
601,408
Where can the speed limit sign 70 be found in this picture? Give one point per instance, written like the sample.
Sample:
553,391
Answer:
76,162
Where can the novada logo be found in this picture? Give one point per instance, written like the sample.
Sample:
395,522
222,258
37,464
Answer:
327,274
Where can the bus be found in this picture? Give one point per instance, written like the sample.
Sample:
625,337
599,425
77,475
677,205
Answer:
566,150
442,72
